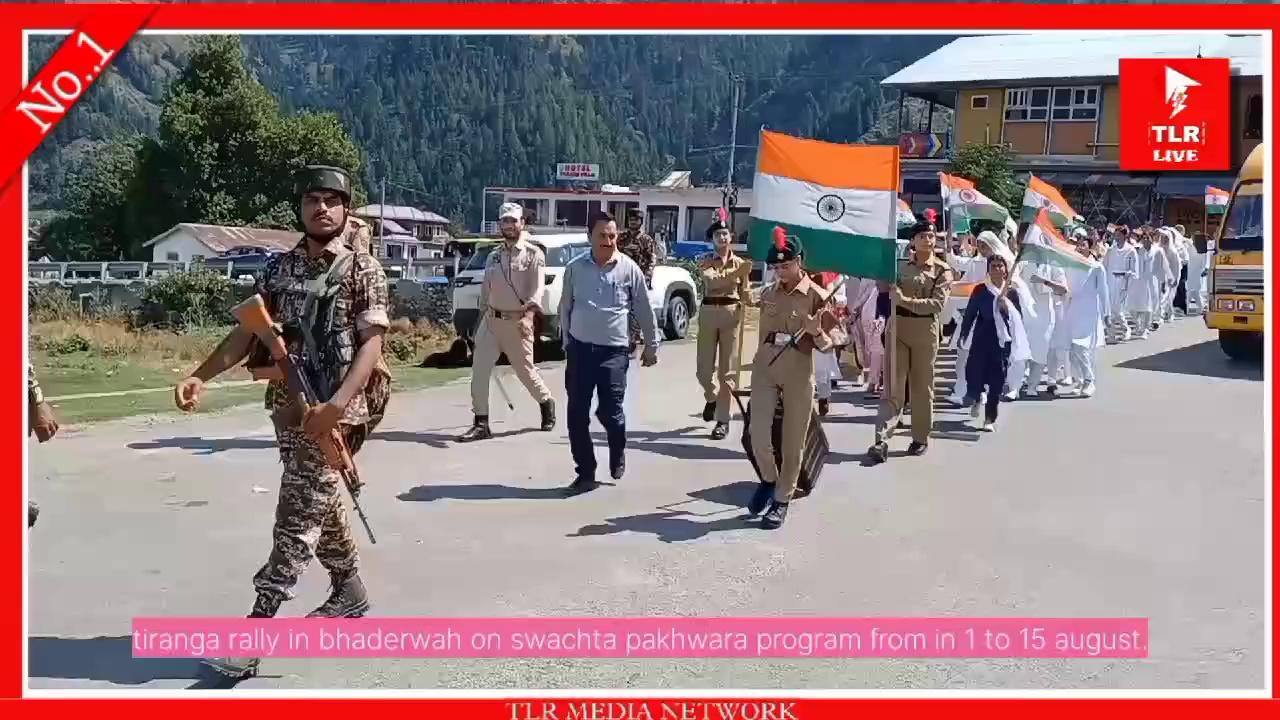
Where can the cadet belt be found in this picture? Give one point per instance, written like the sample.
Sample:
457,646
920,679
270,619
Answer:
903,312
508,314
720,301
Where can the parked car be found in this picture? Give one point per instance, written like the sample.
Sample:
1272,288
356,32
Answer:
673,297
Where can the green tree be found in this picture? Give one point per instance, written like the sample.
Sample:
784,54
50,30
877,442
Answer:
988,166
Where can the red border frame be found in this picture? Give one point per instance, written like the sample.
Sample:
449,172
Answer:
718,18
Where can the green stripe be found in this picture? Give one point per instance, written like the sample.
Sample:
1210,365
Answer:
1216,209
827,251
1038,254
1030,213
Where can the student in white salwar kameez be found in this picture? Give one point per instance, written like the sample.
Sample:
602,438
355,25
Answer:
858,292
1083,329
1168,245
972,270
826,368
1197,263
1121,264
1145,294
1048,286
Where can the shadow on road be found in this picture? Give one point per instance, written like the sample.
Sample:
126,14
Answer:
1205,359
669,527
440,441
104,659
649,441
488,491
207,446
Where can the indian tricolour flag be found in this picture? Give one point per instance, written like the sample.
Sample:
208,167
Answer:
1042,195
1215,200
841,201
905,216
1043,244
962,199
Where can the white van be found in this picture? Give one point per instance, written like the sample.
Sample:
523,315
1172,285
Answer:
674,296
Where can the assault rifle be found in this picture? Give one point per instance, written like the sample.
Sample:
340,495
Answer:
294,369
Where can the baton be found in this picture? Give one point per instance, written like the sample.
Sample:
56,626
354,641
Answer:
497,378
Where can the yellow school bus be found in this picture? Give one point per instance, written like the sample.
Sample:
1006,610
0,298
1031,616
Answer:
1235,266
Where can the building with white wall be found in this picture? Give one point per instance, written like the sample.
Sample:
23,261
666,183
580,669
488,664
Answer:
185,242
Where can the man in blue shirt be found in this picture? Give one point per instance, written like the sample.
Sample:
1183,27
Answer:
603,290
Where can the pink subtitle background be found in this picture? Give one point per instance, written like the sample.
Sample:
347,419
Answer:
639,637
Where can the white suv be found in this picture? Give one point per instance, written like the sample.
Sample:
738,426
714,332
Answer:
673,297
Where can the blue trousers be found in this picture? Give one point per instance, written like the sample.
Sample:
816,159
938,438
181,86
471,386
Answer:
601,371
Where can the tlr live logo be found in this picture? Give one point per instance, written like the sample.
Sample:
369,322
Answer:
1175,114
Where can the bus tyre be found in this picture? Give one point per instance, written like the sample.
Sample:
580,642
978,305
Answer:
1240,346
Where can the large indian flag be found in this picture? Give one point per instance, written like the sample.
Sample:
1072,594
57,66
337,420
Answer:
1041,195
1043,244
1215,200
962,199
841,201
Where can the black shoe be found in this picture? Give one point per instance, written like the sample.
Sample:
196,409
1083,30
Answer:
917,448
720,431
776,515
824,405
347,600
240,668
760,498
708,412
548,415
581,485
33,512
617,467
878,453
479,430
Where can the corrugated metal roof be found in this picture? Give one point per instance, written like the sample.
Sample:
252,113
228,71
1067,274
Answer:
1038,56
400,212
222,238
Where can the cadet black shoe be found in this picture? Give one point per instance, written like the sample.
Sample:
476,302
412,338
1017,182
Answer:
824,405
917,448
347,600
760,498
581,485
548,414
708,412
777,515
33,512
720,431
479,430
878,453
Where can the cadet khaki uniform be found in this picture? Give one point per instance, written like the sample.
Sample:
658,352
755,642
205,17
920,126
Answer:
915,329
727,284
513,275
782,316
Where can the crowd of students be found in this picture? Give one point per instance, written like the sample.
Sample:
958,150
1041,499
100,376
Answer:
1028,329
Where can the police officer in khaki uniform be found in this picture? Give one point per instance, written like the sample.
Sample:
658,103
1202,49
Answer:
508,300
793,321
727,281
922,290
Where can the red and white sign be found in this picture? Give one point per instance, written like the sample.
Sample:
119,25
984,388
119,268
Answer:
1175,114
577,171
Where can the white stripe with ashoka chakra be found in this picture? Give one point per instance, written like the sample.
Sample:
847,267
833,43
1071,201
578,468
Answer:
872,213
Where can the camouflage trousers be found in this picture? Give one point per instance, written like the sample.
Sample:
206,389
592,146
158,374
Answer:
311,519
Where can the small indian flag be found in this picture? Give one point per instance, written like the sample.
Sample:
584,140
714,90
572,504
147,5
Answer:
905,216
1042,195
962,199
841,201
1215,200
1043,244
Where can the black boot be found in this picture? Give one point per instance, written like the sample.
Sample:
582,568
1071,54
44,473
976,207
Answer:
917,448
548,414
777,515
878,453
347,600
720,431
760,498
708,412
479,430
240,668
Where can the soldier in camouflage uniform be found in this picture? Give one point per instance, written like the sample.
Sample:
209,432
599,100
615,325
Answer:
40,420
338,294
636,244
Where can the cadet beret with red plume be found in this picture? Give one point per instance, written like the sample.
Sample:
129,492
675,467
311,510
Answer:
719,221
784,248
926,222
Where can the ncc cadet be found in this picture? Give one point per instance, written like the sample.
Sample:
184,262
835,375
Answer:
793,322
727,281
636,244
508,302
337,295
920,294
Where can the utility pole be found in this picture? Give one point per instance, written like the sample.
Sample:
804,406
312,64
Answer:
382,216
733,139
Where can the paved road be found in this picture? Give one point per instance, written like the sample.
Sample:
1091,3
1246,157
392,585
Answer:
1146,500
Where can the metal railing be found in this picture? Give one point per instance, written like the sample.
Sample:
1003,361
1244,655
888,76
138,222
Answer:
234,268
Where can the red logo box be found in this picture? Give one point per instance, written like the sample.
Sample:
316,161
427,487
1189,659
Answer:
1175,114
